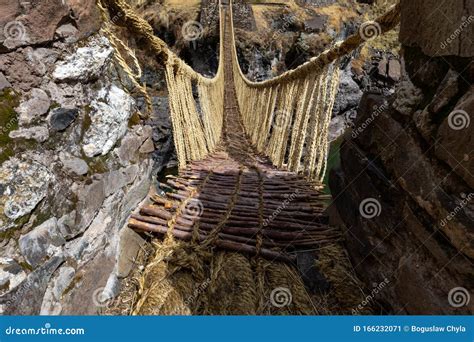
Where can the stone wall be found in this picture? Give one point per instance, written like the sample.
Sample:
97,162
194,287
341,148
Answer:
438,28
75,160
404,191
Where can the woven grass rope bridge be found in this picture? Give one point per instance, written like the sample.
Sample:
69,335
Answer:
247,203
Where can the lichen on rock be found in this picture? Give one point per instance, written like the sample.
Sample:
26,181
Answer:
23,184
111,110
86,63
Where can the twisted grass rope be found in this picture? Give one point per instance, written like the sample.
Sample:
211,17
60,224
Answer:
117,44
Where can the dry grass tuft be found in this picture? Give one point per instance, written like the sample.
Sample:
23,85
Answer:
346,290
181,279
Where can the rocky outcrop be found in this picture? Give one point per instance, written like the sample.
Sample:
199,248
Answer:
75,160
24,23
86,63
451,36
404,191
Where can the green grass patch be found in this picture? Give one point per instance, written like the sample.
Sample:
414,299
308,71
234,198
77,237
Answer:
334,161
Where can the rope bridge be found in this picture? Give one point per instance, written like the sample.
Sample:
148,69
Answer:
286,117
251,157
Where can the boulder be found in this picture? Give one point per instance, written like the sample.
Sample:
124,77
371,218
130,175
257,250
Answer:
134,143
25,24
43,241
90,200
348,95
36,25
4,82
389,69
27,297
147,146
40,60
439,28
455,138
51,304
20,71
73,165
61,118
38,133
130,244
37,103
86,63
23,184
11,274
86,16
408,97
68,32
111,110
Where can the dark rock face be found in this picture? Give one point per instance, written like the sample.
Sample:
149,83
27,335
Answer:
404,191
439,28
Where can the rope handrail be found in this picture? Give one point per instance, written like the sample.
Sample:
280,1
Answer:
197,123
385,23
123,15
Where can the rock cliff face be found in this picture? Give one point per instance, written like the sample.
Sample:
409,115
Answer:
404,191
75,159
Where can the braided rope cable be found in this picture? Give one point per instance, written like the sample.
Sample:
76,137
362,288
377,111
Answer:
117,45
196,128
